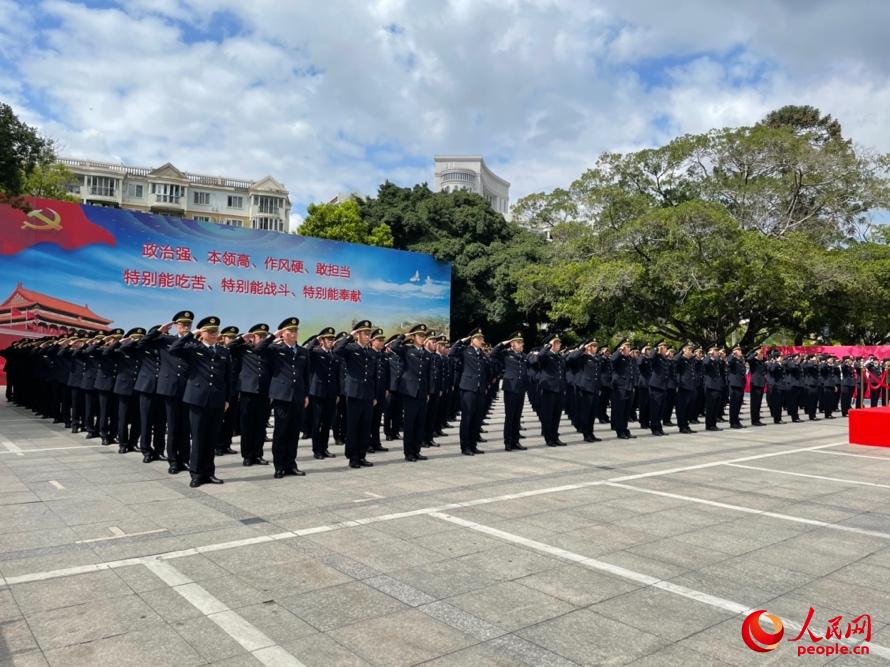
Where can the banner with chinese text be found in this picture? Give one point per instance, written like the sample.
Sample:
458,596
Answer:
65,266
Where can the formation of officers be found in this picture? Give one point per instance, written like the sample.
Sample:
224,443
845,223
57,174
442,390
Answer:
181,395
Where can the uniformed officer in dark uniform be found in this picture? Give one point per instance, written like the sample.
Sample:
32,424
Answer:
551,387
324,389
288,389
172,373
848,384
230,426
810,368
106,373
684,370
413,387
736,371
644,373
252,385
623,382
381,389
757,372
658,386
713,388
128,357
359,386
586,368
151,406
392,414
776,386
473,383
511,357
208,390
436,390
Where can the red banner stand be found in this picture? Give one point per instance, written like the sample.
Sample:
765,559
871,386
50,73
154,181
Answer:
870,426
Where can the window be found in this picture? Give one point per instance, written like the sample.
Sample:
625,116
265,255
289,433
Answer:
267,204
232,222
101,186
166,193
135,190
202,198
459,176
269,224
201,218
236,201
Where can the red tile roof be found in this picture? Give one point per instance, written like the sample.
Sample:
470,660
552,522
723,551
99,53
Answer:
32,298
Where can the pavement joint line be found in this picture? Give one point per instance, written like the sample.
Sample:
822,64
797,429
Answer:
858,456
810,476
119,534
11,447
260,539
752,510
251,638
22,452
632,575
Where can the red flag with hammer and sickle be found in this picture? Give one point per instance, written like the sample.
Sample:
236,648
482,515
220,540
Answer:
49,221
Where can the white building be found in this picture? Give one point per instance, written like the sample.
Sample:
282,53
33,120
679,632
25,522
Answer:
262,204
469,172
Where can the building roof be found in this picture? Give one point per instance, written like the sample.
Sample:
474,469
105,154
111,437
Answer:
22,297
471,158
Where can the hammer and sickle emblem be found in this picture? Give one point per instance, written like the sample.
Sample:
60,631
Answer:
48,219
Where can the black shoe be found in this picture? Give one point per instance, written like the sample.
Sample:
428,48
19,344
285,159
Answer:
260,461
148,458
713,428
296,472
210,479
433,443
159,456
319,456
279,474
305,436
227,450
796,420
390,438
421,457
57,420
339,443
173,470
779,421
551,444
122,450
686,430
247,463
589,438
560,443
328,455
467,452
91,435
411,458
105,441
630,436
519,447
669,423
736,426
757,424
659,433
378,448
623,436
195,483
75,430
364,463
355,464
694,421
830,417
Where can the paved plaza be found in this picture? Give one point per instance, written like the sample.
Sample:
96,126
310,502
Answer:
645,552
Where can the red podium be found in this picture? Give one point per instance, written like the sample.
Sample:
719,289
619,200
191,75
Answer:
870,426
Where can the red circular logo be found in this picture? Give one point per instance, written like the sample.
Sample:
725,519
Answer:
756,637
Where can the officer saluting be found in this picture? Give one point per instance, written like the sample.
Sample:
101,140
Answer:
413,386
324,383
509,354
207,393
552,388
287,389
252,385
473,383
359,387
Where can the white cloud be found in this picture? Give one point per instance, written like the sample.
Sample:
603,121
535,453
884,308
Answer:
340,96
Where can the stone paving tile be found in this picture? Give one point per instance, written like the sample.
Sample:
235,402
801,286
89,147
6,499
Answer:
403,638
336,606
511,606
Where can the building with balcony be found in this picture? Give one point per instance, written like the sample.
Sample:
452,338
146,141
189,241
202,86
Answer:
469,172
262,204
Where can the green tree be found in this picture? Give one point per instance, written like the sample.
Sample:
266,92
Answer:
485,251
344,222
50,180
22,149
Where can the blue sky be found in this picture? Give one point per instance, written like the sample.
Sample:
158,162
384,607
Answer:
340,96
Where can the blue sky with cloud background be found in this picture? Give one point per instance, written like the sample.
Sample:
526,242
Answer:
340,96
